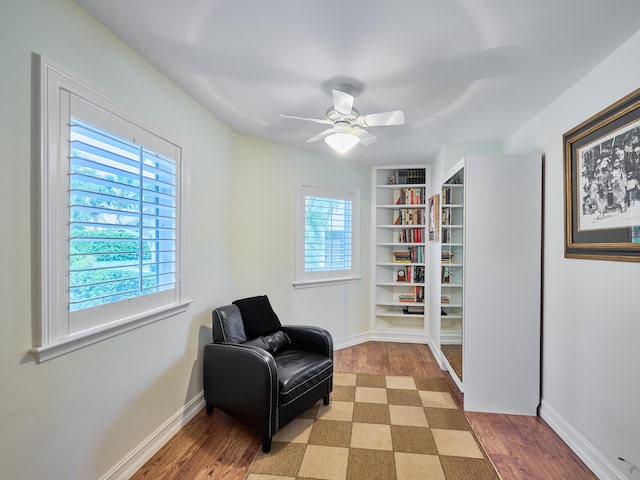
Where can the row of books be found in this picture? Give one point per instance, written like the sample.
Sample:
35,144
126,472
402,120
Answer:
417,296
408,235
446,257
411,255
446,216
409,196
410,273
447,195
410,176
410,216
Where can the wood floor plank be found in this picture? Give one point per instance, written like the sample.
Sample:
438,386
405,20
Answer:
218,447
526,447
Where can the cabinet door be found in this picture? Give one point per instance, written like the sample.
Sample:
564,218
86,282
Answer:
503,221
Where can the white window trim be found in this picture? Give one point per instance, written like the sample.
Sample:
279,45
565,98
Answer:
334,277
51,339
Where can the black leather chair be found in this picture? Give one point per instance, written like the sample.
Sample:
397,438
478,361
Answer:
262,373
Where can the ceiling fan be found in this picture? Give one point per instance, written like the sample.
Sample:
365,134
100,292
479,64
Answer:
347,125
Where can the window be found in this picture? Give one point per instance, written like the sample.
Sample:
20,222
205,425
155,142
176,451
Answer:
112,217
327,235
122,225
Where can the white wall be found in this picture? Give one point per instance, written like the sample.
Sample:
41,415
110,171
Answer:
591,322
264,215
77,416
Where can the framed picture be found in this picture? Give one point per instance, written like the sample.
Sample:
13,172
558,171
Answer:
434,218
602,194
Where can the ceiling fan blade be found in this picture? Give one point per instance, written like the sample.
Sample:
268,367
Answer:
342,102
316,120
396,117
365,137
320,136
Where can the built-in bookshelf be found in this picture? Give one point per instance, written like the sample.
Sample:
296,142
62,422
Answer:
399,249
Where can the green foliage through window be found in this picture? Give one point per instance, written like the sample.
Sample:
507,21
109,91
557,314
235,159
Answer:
328,234
122,228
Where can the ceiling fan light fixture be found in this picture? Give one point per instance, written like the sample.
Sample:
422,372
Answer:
342,142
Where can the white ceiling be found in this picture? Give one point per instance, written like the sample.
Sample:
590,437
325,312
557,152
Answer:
463,71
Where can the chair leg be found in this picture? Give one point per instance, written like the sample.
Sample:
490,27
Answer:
325,399
266,444
209,408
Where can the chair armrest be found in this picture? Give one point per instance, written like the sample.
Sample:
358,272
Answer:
312,339
242,381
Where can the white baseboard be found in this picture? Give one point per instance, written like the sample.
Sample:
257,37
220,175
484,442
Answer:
143,452
437,354
582,448
399,336
391,335
339,344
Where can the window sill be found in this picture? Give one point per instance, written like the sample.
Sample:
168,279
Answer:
323,283
95,335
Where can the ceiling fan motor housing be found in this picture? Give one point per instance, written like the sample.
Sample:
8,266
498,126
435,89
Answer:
333,116
342,126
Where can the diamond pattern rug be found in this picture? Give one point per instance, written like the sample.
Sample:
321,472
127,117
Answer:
378,427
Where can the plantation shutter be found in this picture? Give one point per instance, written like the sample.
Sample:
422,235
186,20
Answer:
122,228
123,202
327,233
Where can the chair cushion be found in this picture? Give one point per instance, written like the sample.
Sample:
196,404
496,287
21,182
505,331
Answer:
258,316
299,371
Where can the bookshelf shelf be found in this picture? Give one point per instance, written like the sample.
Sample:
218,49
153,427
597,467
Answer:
400,244
409,206
399,236
398,264
399,304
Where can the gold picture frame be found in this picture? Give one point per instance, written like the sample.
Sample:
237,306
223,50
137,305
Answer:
602,184
434,218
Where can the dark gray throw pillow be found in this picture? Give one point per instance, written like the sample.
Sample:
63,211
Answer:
258,342
277,341
258,316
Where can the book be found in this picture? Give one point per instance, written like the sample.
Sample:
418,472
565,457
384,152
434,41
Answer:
407,298
402,256
446,278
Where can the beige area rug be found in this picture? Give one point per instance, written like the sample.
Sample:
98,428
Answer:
378,427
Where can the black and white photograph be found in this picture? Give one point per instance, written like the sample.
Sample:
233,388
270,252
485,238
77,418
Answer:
608,170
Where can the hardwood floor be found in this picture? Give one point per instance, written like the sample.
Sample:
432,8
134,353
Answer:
217,447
